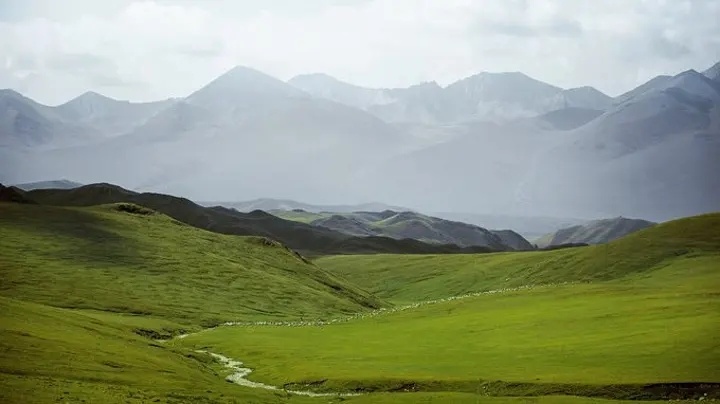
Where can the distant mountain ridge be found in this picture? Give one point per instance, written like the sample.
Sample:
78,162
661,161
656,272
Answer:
270,204
90,117
412,225
54,184
484,96
595,232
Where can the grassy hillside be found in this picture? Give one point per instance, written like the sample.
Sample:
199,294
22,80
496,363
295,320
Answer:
307,239
85,291
413,278
594,232
612,339
57,355
127,259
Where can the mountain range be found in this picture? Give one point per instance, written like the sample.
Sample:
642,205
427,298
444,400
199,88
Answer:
500,143
269,204
485,96
409,225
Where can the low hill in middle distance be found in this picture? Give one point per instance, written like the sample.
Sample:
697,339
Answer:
407,279
410,225
129,259
304,238
594,232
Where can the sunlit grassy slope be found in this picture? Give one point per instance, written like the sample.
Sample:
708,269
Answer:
50,355
118,275
650,315
104,258
648,328
405,278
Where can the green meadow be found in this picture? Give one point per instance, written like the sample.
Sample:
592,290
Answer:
92,301
569,339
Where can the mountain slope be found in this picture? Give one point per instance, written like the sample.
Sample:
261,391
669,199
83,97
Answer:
247,126
106,115
648,156
324,86
88,118
653,83
595,232
713,73
484,96
25,123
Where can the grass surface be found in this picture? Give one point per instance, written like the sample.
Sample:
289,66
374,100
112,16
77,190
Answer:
118,274
410,278
105,259
662,328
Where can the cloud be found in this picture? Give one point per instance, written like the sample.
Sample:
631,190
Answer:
176,46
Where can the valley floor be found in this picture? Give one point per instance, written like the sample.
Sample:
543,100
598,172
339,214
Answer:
87,321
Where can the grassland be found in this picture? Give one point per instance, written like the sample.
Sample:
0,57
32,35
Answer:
102,258
662,328
410,278
84,292
651,315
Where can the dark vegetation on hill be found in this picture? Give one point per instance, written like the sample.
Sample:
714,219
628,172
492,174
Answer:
12,194
306,239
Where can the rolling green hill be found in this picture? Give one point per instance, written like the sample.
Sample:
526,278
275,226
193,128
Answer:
421,277
304,238
85,292
410,225
58,355
128,259
620,340
647,320
594,232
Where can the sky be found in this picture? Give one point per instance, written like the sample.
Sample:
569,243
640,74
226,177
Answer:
142,50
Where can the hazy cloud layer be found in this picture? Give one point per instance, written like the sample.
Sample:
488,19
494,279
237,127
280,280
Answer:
144,50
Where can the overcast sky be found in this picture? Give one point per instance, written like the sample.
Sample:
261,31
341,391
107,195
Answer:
53,50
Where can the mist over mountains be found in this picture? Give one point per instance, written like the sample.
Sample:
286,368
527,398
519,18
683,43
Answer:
499,143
